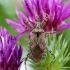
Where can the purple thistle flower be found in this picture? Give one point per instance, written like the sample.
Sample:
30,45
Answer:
57,10
10,54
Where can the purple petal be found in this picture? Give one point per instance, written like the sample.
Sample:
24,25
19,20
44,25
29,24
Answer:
20,34
16,26
20,53
30,7
27,11
64,26
8,49
11,53
66,11
20,15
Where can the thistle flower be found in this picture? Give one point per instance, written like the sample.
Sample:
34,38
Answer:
57,12
62,56
10,54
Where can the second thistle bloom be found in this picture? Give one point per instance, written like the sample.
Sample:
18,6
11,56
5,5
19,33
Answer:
10,53
57,11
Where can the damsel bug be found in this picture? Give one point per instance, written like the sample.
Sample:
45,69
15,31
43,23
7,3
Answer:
37,45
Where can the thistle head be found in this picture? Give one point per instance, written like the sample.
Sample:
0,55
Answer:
10,51
57,10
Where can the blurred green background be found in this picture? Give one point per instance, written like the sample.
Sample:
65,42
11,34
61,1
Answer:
7,10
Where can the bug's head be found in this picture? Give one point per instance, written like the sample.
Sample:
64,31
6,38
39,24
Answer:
38,27
38,23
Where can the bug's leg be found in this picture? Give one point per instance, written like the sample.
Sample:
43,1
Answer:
28,22
28,55
44,22
26,27
43,55
26,60
49,33
50,52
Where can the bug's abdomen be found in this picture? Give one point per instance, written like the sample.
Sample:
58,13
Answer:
36,54
37,47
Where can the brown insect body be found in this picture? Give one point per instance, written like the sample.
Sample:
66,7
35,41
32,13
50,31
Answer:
37,43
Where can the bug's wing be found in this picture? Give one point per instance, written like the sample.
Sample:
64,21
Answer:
41,41
33,41
42,46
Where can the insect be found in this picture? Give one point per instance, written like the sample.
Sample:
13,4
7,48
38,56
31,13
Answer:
37,45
